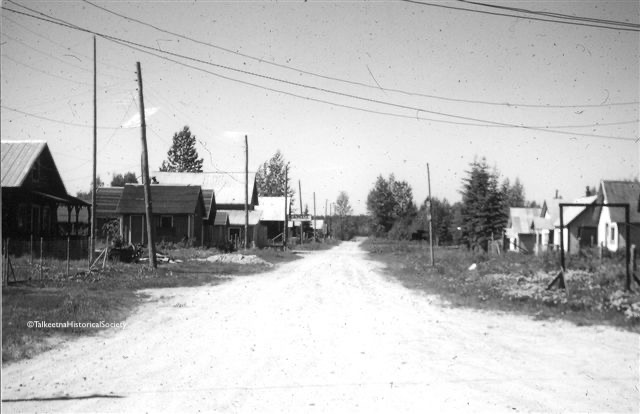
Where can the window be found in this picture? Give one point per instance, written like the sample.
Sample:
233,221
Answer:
613,234
166,222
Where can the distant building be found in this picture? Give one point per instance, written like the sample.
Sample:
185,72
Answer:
520,232
32,192
272,217
229,191
178,214
580,225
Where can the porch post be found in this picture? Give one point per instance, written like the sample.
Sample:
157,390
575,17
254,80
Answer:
77,213
69,208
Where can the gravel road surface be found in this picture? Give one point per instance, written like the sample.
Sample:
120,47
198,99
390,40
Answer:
328,333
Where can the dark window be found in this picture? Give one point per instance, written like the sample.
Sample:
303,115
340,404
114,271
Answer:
166,222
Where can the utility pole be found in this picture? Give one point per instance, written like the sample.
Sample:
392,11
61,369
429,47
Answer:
246,192
286,219
92,230
301,211
314,216
331,211
145,175
326,223
430,211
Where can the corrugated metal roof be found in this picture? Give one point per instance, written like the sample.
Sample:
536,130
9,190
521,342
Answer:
228,187
107,199
570,213
17,159
272,208
222,219
622,192
236,217
165,199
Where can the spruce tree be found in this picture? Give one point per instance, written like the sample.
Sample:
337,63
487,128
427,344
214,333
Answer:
182,156
483,213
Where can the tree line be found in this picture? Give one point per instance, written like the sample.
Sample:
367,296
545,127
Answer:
481,215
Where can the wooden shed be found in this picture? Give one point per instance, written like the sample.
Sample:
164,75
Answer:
178,213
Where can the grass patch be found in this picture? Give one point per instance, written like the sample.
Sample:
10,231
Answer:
109,295
515,282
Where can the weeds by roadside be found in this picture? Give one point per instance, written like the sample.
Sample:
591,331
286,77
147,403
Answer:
109,295
516,282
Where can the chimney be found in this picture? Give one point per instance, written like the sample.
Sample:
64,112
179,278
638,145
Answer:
556,197
588,192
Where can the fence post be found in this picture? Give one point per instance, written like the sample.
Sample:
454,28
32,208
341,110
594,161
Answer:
31,249
41,254
68,250
600,247
632,259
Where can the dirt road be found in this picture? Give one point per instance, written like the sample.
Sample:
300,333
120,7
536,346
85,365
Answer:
328,333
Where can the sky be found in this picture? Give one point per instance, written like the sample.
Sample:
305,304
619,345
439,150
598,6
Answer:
346,90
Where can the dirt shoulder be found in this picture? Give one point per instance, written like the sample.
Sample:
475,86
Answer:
328,333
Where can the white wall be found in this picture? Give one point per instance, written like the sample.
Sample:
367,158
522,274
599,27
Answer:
604,230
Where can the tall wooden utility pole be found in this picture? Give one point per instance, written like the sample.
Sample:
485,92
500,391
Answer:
325,230
314,216
145,175
301,211
92,230
286,219
246,192
430,211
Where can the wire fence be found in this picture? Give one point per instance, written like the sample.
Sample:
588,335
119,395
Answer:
41,258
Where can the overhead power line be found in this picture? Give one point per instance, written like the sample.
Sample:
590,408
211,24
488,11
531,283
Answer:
621,27
140,47
417,117
351,82
554,15
44,118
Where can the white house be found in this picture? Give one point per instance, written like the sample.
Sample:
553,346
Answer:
611,223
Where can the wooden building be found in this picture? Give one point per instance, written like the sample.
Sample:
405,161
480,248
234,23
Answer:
178,214
32,192
273,218
612,233
229,191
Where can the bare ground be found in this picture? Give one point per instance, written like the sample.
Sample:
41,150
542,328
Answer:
329,334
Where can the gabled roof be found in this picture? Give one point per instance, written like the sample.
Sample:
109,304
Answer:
165,199
237,217
570,213
222,219
272,208
107,199
521,219
551,209
622,192
18,158
229,187
209,203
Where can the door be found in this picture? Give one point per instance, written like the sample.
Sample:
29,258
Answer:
137,230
